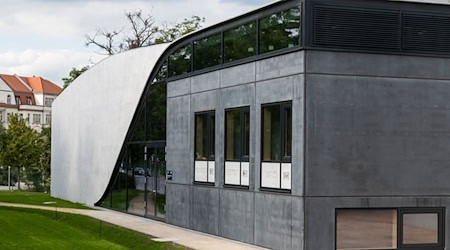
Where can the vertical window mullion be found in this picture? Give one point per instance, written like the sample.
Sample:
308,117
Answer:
282,124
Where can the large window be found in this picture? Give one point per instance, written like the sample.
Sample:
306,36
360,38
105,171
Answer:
240,42
180,61
276,146
204,167
237,146
208,52
279,31
403,228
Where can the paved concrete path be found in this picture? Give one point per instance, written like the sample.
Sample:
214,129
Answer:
160,231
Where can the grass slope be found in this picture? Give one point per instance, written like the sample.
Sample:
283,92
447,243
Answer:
34,198
38,229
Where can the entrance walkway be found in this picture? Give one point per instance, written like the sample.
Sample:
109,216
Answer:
160,231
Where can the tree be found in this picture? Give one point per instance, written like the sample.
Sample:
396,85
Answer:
73,74
171,32
21,150
142,32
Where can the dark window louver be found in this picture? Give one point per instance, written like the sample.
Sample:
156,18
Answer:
353,27
426,33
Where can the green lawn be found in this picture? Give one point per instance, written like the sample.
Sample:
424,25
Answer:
34,198
38,229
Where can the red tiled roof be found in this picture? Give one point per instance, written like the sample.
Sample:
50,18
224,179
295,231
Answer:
41,85
15,84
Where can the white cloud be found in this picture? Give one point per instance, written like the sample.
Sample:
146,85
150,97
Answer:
50,64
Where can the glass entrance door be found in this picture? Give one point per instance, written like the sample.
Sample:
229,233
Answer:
156,180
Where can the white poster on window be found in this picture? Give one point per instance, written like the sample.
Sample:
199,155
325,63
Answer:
232,173
270,175
245,173
211,171
286,175
201,171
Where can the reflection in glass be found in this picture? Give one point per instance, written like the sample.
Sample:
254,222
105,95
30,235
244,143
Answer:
212,135
180,61
271,133
201,136
119,189
279,31
208,52
156,112
162,73
233,134
287,132
420,228
240,42
246,146
136,179
366,229
138,133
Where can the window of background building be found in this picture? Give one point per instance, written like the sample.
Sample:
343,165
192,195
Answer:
18,100
204,167
237,146
180,61
36,118
240,42
280,30
1,116
8,99
276,145
7,117
208,52
415,228
48,118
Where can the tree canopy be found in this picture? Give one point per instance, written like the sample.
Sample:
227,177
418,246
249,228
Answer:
73,74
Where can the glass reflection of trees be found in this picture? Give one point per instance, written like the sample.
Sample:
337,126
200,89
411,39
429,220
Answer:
240,42
180,61
279,31
208,52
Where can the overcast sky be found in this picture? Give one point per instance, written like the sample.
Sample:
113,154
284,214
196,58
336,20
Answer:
46,37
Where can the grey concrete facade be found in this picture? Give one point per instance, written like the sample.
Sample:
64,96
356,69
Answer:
376,136
266,219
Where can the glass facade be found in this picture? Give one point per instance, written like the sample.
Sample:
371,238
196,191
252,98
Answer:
204,157
281,30
240,42
208,52
139,185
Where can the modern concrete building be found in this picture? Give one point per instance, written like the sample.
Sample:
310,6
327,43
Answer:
29,97
304,124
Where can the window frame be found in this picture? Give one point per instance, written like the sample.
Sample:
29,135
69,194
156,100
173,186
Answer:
211,114
242,158
400,212
441,227
283,106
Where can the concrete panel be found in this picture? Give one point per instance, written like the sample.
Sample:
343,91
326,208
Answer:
237,215
179,151
179,87
91,119
285,65
205,82
277,90
298,129
273,221
298,220
178,204
376,136
241,74
239,96
367,64
320,214
205,209
204,101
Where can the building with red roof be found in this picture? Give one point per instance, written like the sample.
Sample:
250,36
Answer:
30,97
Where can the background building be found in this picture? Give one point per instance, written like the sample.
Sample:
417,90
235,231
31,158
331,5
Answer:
29,97
309,124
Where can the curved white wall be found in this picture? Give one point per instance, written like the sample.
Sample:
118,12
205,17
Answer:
91,119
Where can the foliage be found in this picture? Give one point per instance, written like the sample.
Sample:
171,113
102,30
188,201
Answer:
38,229
142,32
73,74
171,32
35,198
21,150
26,149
